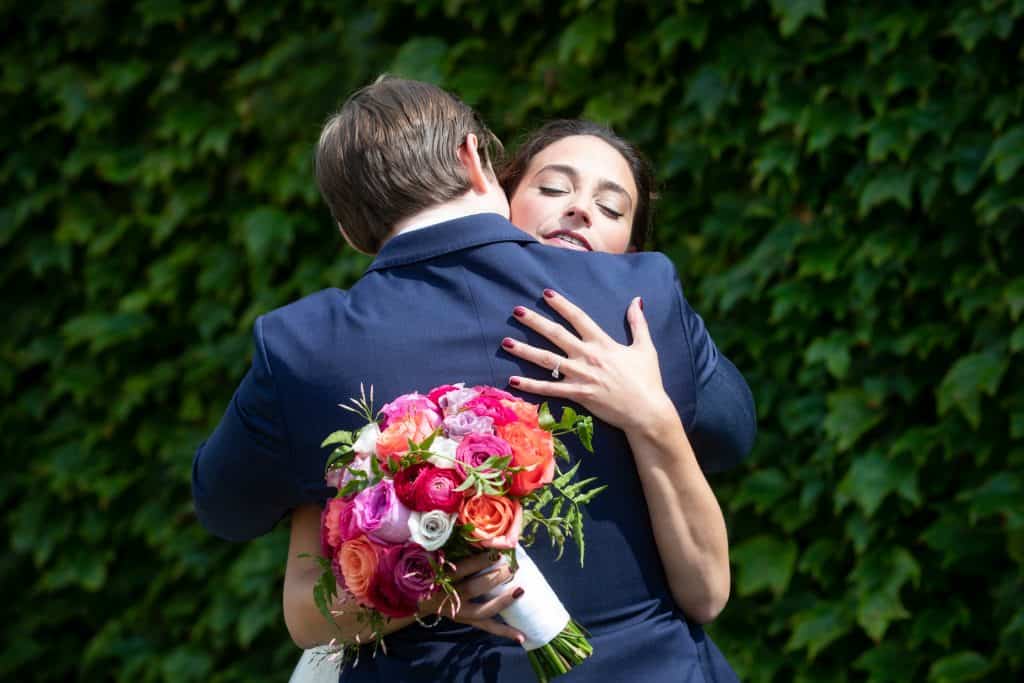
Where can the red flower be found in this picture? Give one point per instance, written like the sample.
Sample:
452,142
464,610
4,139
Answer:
435,490
384,593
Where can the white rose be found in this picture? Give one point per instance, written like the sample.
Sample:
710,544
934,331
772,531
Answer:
443,450
366,444
431,529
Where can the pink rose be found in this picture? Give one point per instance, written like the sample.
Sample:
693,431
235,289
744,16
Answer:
437,393
491,392
475,449
411,404
492,407
337,525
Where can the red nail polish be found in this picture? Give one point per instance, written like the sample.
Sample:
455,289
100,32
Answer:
519,311
514,381
518,593
507,343
549,293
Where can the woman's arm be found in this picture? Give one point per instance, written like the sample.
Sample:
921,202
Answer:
307,625
622,386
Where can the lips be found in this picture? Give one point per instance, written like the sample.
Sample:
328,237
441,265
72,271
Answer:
568,239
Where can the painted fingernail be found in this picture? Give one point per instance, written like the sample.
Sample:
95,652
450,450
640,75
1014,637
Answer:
518,593
508,343
641,303
549,293
514,381
519,311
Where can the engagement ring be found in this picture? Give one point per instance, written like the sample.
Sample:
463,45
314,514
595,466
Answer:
555,373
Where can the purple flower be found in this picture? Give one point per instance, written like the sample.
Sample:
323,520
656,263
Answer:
476,448
468,422
414,577
453,401
380,514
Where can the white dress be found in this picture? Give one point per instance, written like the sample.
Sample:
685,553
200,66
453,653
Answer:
315,667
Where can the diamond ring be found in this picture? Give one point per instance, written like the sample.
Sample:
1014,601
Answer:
555,373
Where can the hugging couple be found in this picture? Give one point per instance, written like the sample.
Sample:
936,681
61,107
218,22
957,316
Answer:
526,275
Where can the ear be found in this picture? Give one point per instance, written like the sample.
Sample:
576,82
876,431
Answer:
480,175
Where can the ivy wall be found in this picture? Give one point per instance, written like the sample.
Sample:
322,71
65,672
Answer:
842,191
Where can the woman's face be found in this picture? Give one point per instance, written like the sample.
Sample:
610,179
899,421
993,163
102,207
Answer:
577,193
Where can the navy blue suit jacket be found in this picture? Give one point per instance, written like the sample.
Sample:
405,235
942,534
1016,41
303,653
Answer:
432,309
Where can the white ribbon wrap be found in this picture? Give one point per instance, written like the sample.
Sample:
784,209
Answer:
538,613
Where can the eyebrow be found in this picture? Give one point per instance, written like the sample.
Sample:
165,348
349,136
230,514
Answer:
605,184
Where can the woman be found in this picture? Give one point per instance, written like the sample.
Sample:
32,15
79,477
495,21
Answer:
575,185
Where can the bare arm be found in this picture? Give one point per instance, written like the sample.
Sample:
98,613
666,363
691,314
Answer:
622,386
307,625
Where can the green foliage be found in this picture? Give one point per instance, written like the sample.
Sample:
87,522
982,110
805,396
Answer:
842,188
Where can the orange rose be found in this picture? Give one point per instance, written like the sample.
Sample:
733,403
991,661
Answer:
358,560
496,520
525,411
393,442
531,447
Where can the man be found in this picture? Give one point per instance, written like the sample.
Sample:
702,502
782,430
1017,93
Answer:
406,170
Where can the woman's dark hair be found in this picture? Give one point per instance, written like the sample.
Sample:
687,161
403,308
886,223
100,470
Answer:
511,172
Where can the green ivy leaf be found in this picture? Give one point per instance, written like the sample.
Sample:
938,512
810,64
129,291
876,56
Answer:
586,37
887,662
422,59
709,90
762,489
849,417
764,562
959,668
872,477
267,230
1001,494
890,184
834,351
967,380
817,627
691,27
1007,154
792,13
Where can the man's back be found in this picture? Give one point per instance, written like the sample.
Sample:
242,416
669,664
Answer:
433,309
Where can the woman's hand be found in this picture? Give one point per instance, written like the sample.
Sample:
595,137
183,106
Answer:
616,383
472,581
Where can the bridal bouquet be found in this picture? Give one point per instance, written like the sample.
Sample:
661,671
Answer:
436,477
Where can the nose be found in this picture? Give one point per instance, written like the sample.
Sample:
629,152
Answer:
579,214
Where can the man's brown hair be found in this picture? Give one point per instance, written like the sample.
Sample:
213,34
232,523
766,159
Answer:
391,151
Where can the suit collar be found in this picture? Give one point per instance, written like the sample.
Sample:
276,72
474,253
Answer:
445,238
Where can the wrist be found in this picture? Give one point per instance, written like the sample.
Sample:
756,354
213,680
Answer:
656,420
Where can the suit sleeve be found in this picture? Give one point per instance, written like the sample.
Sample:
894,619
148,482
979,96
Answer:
241,484
724,422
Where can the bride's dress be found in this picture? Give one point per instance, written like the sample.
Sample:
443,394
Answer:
315,667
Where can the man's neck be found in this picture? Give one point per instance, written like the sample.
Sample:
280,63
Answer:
467,205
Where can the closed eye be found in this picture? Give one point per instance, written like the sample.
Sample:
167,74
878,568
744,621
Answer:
611,213
552,191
